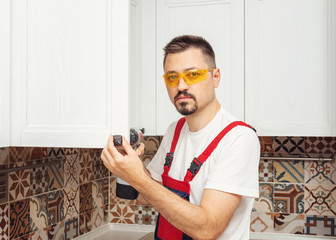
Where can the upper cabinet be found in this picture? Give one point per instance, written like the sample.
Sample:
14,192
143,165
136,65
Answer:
221,22
290,80
4,73
277,61
69,72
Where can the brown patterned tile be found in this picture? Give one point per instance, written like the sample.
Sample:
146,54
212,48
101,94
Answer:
19,156
85,197
85,222
19,184
99,170
3,187
100,192
56,153
4,221
320,200
19,218
288,198
55,206
4,155
85,168
145,215
39,212
56,231
289,223
39,180
265,201
261,222
71,201
99,217
266,170
56,176
122,213
71,170
39,234
289,146
320,172
152,144
38,153
71,229
266,146
320,146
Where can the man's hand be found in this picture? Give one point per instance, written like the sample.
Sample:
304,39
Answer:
125,162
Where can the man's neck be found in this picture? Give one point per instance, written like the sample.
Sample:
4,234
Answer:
202,117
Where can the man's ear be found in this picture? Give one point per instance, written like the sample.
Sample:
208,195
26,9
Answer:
216,77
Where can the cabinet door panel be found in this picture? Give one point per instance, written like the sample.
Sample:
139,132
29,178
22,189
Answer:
221,23
289,79
4,72
62,71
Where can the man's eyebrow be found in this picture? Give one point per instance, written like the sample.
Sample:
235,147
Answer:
186,69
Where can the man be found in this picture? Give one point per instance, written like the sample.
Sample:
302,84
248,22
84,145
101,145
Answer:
207,161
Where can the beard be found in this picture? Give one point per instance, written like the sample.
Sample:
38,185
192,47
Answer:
186,108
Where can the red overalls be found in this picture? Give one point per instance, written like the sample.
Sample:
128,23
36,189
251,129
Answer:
164,230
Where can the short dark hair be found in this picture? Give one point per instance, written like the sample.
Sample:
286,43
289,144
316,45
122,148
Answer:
182,43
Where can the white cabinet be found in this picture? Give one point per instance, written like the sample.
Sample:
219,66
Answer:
290,80
4,72
221,22
69,72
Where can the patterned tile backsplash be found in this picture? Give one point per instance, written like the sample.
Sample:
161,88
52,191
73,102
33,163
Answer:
66,200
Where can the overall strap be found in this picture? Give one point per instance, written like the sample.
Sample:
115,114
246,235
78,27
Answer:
197,162
170,154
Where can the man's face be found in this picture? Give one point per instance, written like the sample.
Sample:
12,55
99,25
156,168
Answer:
189,99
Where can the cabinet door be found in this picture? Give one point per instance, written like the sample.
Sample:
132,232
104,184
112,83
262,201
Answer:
4,72
290,67
221,23
69,72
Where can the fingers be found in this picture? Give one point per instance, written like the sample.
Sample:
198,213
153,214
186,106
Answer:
141,149
127,147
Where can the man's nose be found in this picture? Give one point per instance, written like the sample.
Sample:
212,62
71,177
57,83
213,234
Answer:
182,85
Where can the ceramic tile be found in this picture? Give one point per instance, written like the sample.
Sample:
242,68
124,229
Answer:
289,223
3,187
39,180
320,146
99,217
264,203
56,153
71,151
71,201
289,171
320,200
320,172
261,222
55,206
39,212
18,156
288,198
71,229
145,214
152,144
56,231
38,153
288,146
4,155
4,221
71,171
266,170
56,176
39,235
122,213
85,168
19,218
320,225
85,197
85,222
99,170
266,146
113,196
100,192
19,184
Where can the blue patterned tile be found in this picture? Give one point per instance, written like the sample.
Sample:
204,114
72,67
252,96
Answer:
320,225
289,171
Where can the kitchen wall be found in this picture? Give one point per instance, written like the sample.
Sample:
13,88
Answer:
76,194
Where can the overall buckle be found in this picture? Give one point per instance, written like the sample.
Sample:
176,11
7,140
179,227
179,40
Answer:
195,166
169,159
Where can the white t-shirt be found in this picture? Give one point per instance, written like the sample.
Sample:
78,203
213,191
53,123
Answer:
232,167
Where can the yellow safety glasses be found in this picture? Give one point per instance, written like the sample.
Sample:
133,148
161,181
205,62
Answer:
190,77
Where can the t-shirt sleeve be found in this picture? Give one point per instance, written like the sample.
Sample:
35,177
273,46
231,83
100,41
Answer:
236,168
155,167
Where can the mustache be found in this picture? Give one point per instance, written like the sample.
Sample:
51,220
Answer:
184,93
